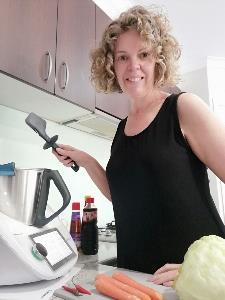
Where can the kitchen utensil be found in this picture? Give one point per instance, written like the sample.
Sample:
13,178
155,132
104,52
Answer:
24,196
39,125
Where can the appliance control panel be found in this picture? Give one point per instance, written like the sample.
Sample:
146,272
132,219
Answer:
51,246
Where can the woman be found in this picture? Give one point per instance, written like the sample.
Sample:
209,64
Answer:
156,176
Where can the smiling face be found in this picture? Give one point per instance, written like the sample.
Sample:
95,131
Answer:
134,65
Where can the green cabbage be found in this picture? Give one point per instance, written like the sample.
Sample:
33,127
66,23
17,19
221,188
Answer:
202,274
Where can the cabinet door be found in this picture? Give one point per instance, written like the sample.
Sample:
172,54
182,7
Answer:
28,40
115,104
75,39
215,76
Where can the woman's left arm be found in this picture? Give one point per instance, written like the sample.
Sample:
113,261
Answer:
204,132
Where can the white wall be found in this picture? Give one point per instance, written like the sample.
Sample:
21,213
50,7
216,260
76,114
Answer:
19,143
196,82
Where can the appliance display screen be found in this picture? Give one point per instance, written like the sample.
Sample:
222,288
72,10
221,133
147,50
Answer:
59,251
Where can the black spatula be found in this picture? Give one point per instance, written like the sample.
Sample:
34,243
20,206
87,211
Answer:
39,125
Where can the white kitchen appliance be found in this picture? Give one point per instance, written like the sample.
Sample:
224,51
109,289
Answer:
22,261
24,194
40,290
33,247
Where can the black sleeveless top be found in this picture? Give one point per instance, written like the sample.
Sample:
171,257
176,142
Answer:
160,194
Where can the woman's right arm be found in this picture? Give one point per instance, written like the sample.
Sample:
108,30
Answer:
67,154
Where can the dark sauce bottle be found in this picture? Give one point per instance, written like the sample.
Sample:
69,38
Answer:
89,228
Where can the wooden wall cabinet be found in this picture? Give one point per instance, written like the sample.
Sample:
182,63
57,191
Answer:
47,44
28,40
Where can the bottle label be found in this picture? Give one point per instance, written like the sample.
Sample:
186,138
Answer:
75,215
89,216
75,229
77,239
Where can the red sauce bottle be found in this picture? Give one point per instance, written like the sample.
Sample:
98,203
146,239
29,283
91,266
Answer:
75,225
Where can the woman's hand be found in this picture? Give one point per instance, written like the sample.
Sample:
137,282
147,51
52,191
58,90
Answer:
166,274
67,155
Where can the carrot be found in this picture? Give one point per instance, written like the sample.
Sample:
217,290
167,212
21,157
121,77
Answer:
107,288
124,287
129,281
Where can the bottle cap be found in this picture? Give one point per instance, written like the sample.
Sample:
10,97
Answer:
90,200
76,206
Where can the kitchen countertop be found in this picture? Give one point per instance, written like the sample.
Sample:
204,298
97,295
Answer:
107,250
91,265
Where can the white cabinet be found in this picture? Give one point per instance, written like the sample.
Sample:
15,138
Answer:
216,75
27,40
75,38
114,103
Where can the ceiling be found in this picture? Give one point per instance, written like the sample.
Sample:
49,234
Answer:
199,26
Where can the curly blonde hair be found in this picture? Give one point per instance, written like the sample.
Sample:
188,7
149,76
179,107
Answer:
154,28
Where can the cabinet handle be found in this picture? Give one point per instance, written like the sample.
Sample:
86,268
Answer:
64,76
48,66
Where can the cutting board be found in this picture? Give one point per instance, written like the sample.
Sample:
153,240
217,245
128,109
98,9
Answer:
168,293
